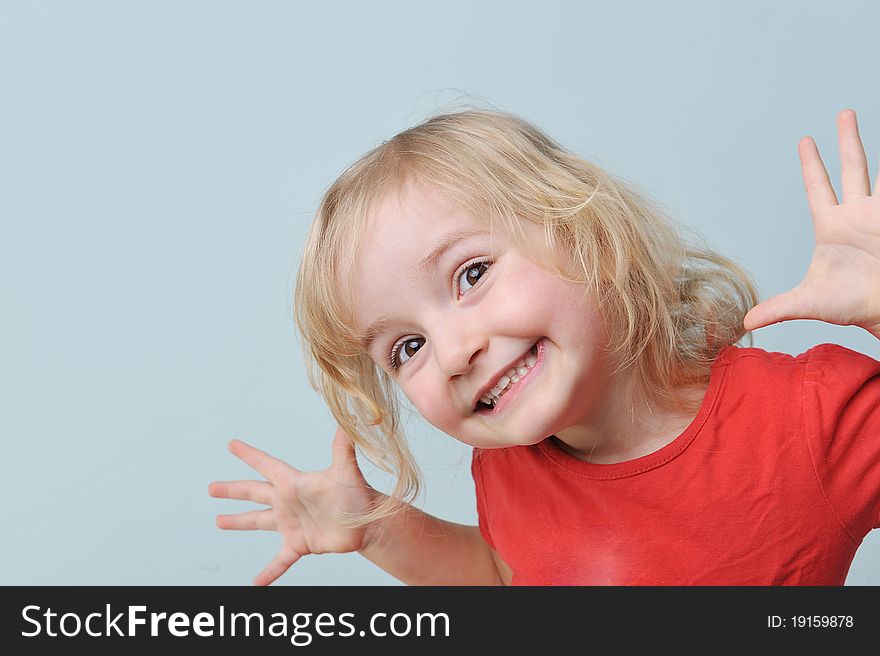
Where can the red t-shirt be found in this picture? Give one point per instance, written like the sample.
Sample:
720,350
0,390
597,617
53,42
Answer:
776,481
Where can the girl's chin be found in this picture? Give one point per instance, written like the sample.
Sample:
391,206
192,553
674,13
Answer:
502,443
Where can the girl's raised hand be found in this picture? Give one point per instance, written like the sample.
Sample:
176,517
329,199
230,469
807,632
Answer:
304,506
842,284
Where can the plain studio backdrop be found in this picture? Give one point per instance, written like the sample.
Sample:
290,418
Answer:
160,163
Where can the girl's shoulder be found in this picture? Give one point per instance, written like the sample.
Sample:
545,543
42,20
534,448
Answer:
819,369
826,391
821,355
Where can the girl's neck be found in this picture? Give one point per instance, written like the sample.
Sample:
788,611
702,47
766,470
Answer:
629,428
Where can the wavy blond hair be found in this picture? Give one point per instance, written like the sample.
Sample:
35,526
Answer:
673,305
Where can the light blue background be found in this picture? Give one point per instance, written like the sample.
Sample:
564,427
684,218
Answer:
159,165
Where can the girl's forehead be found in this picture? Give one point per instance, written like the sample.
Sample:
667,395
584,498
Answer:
411,227
443,198
418,223
407,198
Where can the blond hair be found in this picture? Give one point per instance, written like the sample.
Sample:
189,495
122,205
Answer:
672,305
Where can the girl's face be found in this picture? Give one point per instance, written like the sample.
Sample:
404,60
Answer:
458,323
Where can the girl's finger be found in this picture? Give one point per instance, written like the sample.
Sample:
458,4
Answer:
257,491
855,182
268,466
254,520
344,457
820,193
282,562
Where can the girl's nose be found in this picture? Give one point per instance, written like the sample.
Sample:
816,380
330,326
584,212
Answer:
456,351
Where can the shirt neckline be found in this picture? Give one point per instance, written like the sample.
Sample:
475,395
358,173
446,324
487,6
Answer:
652,460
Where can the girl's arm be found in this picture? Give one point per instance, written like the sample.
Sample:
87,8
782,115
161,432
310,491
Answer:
420,549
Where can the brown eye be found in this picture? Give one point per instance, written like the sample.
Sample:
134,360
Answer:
472,274
409,347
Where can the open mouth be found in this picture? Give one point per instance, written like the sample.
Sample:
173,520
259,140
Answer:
509,381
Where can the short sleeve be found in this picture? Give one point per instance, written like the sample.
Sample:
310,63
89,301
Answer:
482,516
841,404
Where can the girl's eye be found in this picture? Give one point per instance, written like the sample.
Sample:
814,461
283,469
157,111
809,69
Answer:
402,348
468,272
472,273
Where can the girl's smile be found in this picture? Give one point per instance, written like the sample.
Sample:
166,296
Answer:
514,387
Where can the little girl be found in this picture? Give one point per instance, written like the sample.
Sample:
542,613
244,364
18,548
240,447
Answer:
529,304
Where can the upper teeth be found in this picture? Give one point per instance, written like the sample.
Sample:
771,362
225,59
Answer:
513,375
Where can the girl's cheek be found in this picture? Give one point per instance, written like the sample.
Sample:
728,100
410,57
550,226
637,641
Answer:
422,400
434,410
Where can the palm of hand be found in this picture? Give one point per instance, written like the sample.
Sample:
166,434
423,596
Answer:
846,257
841,283
305,507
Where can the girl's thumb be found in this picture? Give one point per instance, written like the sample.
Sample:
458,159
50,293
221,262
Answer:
343,450
782,307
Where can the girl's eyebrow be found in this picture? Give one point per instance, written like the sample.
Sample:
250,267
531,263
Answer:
428,264
373,331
